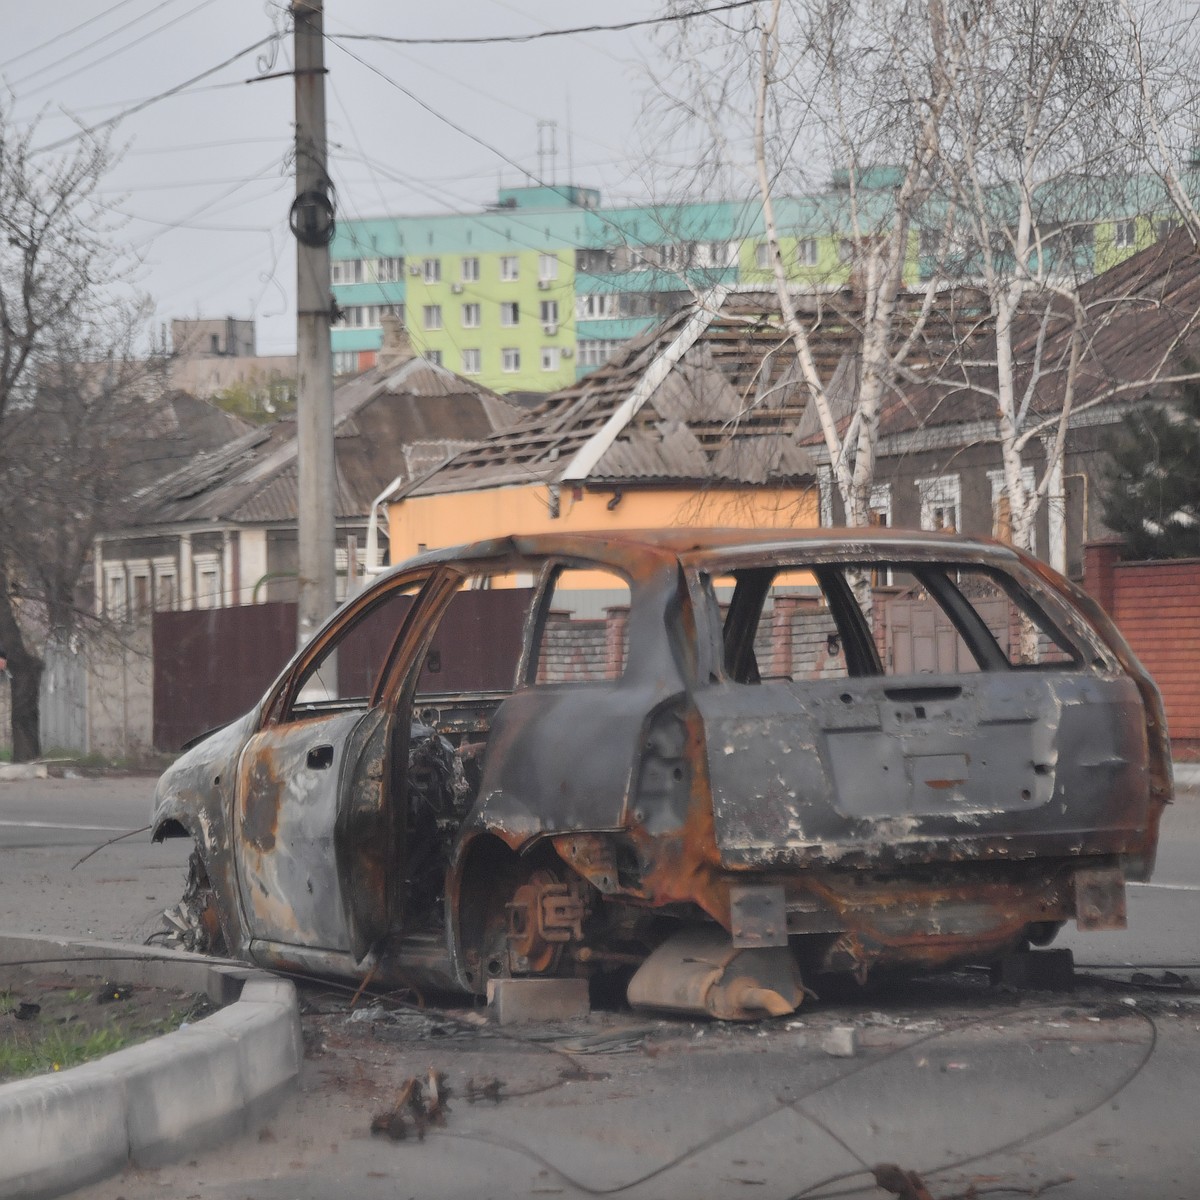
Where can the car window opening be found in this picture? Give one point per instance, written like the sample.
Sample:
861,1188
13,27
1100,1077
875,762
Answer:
792,623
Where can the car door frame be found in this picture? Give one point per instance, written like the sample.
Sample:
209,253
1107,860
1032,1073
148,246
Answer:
348,872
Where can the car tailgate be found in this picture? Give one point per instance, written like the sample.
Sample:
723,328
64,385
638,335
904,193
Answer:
938,768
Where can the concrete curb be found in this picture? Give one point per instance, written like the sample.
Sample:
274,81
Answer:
1187,774
156,1101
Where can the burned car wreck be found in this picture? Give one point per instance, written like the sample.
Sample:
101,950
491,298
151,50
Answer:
721,764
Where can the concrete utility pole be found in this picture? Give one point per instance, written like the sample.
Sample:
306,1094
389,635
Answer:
312,224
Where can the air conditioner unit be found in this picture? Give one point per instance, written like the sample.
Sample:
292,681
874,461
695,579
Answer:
550,327
456,288
414,270
544,285
568,352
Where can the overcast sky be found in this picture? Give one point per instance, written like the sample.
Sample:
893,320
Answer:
205,182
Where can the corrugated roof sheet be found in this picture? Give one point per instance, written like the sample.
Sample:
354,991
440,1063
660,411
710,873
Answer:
400,421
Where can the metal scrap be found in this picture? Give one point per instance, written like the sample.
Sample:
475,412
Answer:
420,1103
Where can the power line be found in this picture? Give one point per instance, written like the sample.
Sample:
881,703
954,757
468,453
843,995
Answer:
16,83
63,33
143,104
517,38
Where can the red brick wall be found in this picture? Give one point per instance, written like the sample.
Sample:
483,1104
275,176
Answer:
1156,605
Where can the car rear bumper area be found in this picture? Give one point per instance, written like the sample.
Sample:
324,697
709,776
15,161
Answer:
845,920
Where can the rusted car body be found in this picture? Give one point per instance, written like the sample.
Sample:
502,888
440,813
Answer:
809,752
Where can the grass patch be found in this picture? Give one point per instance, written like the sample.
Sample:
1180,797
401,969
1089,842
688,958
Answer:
51,1023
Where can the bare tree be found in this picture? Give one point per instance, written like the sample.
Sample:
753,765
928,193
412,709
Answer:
855,89
66,375
1037,147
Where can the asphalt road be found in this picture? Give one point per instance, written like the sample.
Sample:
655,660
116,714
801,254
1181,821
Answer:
47,825
1083,1097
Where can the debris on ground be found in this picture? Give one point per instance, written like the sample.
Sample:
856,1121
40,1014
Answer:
841,1041
420,1103
899,1182
484,1089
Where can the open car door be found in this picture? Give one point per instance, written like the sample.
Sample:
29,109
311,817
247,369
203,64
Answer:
318,845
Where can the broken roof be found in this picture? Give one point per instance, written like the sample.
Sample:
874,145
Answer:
392,421
1142,320
712,395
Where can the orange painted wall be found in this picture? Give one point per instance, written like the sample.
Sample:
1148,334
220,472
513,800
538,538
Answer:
451,518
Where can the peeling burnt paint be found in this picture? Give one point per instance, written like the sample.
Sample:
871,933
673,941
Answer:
867,820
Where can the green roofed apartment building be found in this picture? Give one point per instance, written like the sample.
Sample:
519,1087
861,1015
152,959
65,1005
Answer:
533,293
536,291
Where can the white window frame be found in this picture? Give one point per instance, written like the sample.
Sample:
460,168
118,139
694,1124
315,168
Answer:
471,316
472,361
596,306
207,567
431,270
116,591
940,491
433,356
551,358
165,569
548,312
387,270
762,256
140,569
547,267
1125,234
510,267
431,316
510,360
808,252
510,313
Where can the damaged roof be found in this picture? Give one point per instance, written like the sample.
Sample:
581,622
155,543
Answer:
1142,321
395,420
712,395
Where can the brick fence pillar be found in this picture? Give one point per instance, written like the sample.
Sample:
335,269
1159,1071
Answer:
1100,561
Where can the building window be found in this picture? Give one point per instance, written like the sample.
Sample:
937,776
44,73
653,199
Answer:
941,500
345,362
389,270
434,357
550,358
510,313
510,360
472,362
1125,234
114,593
597,306
166,585
431,270
594,352
470,270
1164,226
547,267
470,316
432,314
510,267
141,597
346,270
208,580
548,312
806,252
762,256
